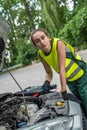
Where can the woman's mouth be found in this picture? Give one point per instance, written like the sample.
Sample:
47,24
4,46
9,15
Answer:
44,46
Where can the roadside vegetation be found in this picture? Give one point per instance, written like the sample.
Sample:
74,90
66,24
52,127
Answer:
61,19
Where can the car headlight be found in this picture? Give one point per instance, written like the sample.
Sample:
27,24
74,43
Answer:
64,123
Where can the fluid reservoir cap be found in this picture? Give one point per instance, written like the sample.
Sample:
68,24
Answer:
60,103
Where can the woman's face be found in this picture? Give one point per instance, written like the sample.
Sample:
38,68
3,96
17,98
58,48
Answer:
41,41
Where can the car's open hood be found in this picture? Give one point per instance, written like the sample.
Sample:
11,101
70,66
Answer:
4,29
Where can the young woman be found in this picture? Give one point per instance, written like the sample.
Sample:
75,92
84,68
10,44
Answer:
59,55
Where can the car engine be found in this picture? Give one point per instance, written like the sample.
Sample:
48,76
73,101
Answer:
14,113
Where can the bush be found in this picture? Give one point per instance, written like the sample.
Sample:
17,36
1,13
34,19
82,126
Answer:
26,53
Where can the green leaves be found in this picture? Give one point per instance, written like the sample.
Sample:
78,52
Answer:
53,15
76,29
26,52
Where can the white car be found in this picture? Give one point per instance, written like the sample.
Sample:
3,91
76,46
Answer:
33,110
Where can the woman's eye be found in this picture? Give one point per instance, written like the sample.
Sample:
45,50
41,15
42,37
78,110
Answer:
43,37
36,41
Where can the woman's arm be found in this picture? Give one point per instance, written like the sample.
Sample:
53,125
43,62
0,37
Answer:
49,73
62,59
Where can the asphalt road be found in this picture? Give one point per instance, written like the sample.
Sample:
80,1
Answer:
29,76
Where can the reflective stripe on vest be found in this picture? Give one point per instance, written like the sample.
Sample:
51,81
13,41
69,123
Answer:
73,70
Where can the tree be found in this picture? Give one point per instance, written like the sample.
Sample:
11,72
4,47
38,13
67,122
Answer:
76,29
53,15
18,14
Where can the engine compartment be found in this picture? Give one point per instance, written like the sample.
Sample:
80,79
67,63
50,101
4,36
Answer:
14,113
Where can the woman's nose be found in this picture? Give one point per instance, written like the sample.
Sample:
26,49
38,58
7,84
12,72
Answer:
42,41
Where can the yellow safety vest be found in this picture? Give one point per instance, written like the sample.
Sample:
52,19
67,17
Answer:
74,68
